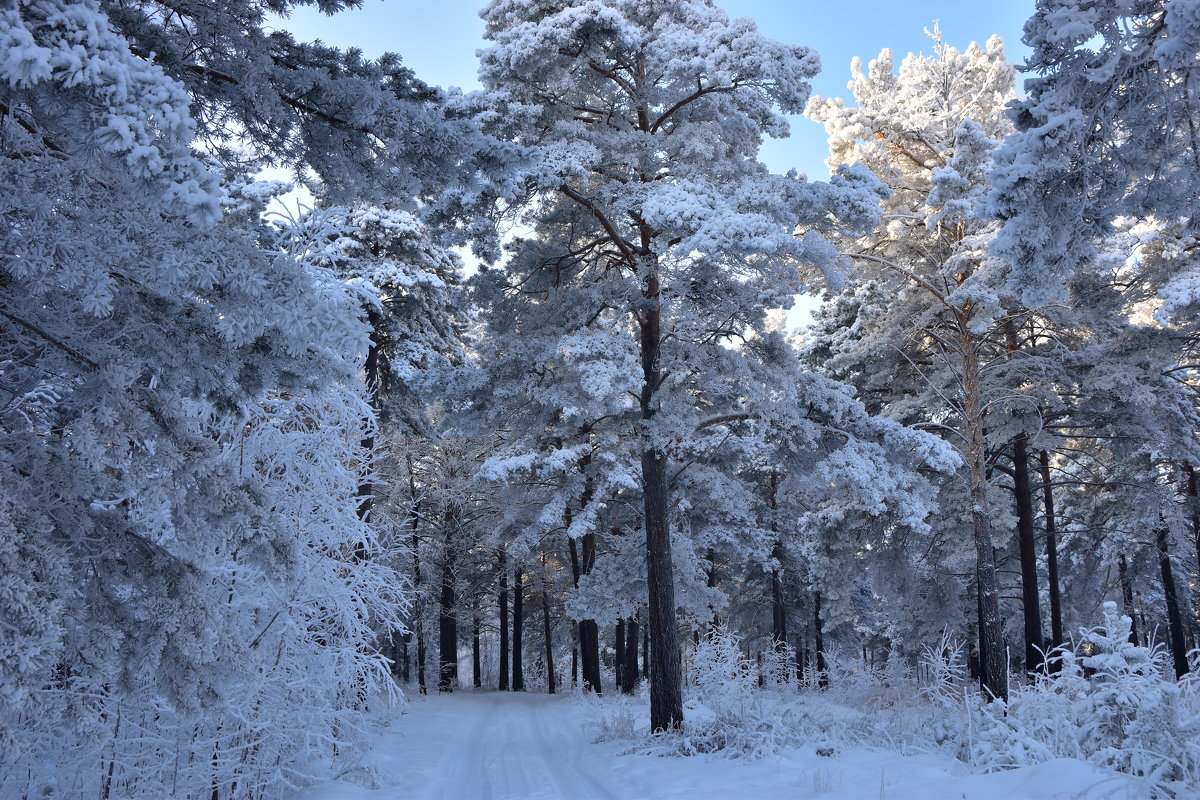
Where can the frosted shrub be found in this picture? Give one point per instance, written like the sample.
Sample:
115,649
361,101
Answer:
1109,704
779,666
1130,716
723,677
941,670
727,712
859,685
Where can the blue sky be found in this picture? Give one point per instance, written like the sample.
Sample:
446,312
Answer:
438,40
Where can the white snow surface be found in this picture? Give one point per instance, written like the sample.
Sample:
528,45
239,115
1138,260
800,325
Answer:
501,746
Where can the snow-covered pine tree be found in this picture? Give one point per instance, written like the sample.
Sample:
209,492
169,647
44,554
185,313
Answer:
1107,131
649,120
929,132
182,561
1098,191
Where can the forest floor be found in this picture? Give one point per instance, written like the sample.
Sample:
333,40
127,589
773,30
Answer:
505,746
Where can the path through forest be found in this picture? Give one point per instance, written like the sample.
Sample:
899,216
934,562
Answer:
526,746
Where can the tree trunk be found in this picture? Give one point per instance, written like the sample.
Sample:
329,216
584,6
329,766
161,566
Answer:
589,632
619,649
518,622
991,635
476,667
1030,598
1127,599
546,631
1174,619
421,658
1058,637
645,652
629,679
405,661
448,629
666,678
980,651
502,684
819,642
375,369
417,614
778,610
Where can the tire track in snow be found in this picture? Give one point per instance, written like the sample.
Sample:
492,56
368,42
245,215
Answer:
516,748
573,780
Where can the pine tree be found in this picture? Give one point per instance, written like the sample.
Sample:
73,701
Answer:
648,122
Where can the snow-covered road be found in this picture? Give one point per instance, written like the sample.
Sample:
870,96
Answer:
519,745
524,746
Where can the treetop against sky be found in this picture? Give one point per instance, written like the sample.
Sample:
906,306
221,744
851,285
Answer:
439,41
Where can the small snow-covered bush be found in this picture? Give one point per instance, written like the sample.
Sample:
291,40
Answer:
727,712
1109,703
941,671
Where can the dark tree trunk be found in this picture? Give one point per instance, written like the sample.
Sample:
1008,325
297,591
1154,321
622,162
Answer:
476,667
991,633
645,652
1194,502
1058,636
589,632
419,628
1174,619
574,656
405,661
546,630
589,655
1027,546
710,573
518,622
421,659
778,609
448,629
629,679
666,677
981,665
819,642
502,684
619,649
375,368
1127,599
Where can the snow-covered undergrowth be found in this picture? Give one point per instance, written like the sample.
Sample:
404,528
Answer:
1108,703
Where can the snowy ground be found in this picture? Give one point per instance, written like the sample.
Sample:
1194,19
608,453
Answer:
495,746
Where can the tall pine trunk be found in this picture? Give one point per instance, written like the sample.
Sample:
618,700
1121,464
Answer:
666,678
518,623
778,609
1027,545
546,630
993,668
629,680
1058,637
819,642
589,633
502,684
619,650
1174,618
1127,606
448,629
1194,503
476,667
